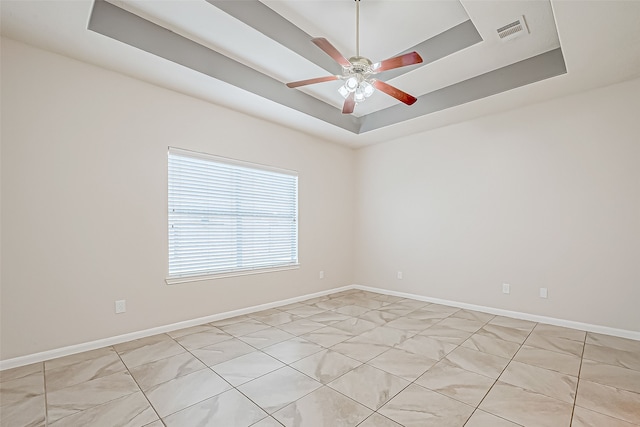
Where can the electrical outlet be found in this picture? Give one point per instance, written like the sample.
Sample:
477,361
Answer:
400,275
506,288
121,306
321,274
543,292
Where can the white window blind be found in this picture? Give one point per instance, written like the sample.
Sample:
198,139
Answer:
227,216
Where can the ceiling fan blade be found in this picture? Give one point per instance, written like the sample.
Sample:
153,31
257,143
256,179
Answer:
330,50
349,104
395,92
410,58
312,81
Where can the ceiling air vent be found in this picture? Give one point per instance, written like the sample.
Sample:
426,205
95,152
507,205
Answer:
517,28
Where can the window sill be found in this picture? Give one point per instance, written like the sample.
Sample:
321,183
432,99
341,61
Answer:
186,279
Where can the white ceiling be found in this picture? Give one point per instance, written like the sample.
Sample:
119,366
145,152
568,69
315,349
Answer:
600,42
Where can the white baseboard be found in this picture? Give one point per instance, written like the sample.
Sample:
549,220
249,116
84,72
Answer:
92,345
606,330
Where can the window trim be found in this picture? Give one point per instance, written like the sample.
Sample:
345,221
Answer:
243,271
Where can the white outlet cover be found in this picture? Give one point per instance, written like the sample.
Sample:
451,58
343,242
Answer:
121,306
399,274
506,288
322,274
543,292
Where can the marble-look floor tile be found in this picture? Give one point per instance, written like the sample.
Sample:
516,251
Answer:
21,388
462,324
292,350
441,308
560,345
360,349
369,386
397,309
473,315
547,359
560,332
327,336
21,372
132,410
246,368
485,419
305,311
426,314
107,364
351,310
330,304
585,418
132,345
324,407
86,395
328,318
387,298
510,322
230,408
203,339
378,317
244,328
278,318
371,304
315,300
427,346
525,407
377,420
28,412
192,330
478,362
614,376
411,325
158,423
222,351
163,370
230,321
74,359
302,326
149,352
402,363
490,345
450,380
446,334
267,422
412,303
612,356
266,337
263,313
416,406
277,389
386,335
326,365
543,381
354,325
613,342
291,306
609,400
505,333
181,392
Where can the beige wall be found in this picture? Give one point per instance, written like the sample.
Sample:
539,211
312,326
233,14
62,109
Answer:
543,196
84,196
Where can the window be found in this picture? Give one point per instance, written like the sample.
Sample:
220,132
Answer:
229,217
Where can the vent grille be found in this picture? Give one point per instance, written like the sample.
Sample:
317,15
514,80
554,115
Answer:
515,29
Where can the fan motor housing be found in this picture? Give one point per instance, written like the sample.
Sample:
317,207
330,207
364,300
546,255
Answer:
360,64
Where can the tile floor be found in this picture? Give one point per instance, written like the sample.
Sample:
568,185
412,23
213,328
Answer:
353,358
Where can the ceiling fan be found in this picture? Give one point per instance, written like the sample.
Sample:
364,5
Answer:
357,72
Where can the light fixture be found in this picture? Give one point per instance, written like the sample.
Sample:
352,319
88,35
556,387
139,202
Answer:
361,69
